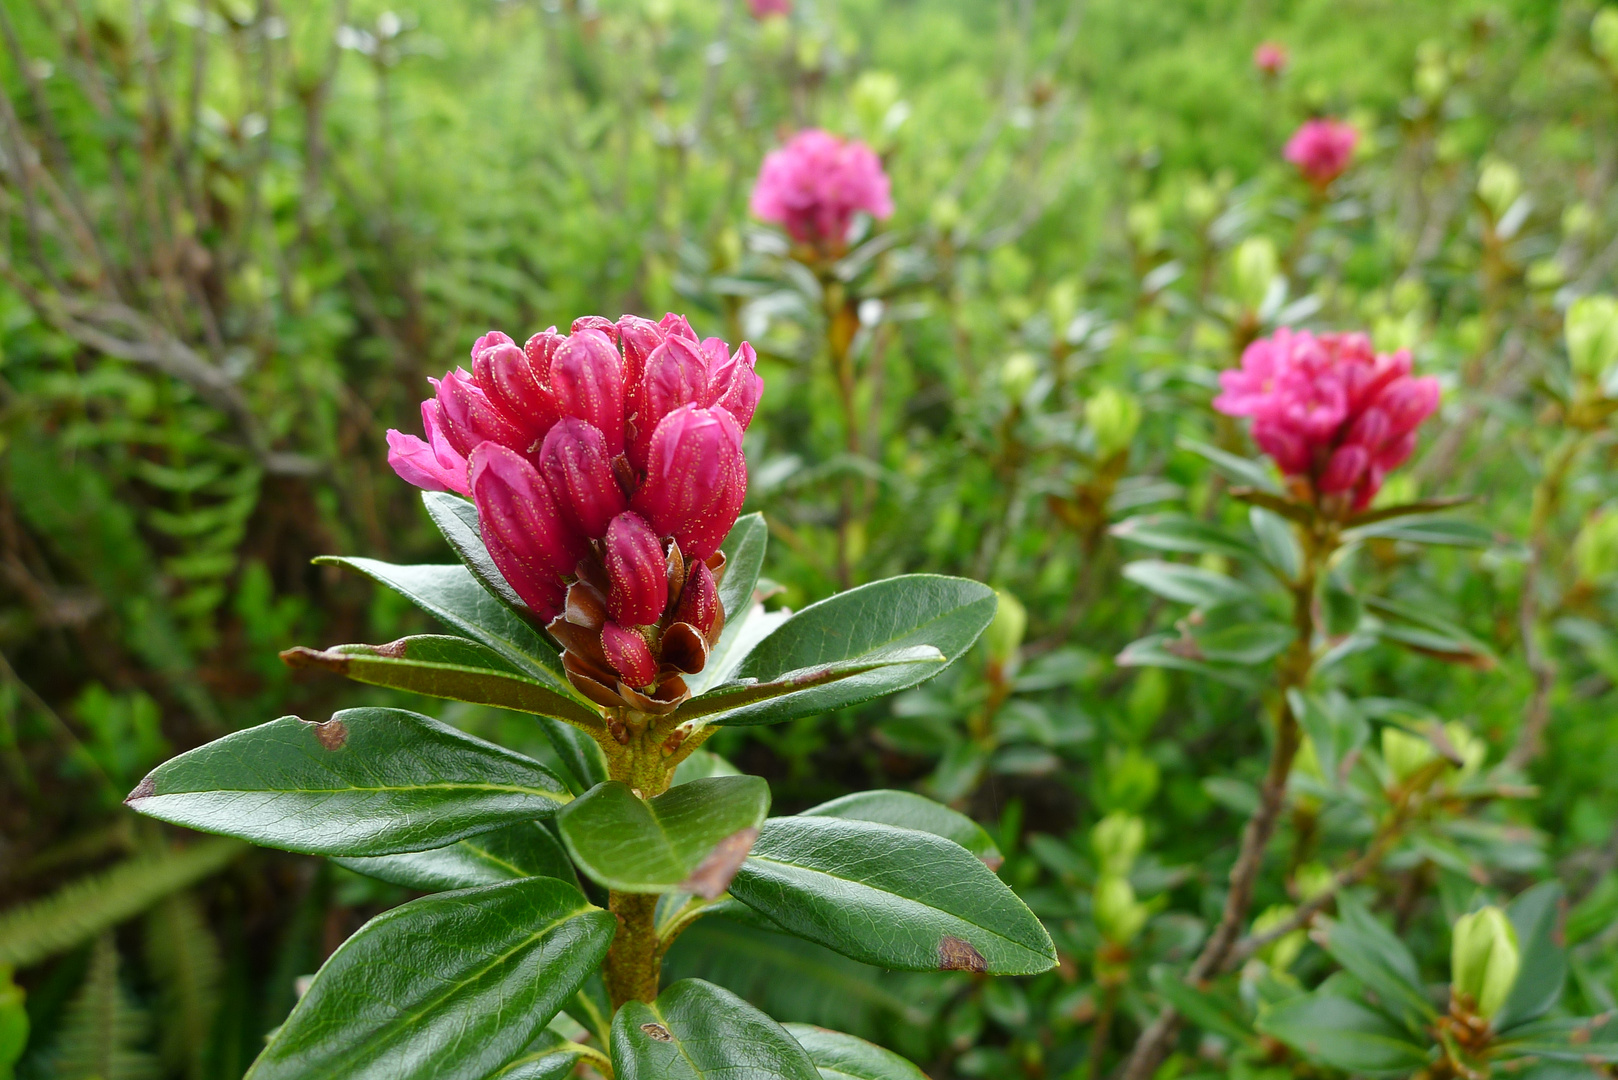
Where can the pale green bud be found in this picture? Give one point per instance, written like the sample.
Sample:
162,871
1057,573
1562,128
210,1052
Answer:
1578,219
1432,80
1595,551
1118,915
1473,750
1499,184
1148,697
1311,879
1484,959
1592,335
1404,753
1062,304
1280,953
873,97
1128,781
1307,762
1546,274
1117,840
1017,375
1604,35
1005,633
1113,417
945,213
1254,268
1201,202
1145,223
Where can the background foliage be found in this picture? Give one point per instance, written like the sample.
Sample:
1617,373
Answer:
239,235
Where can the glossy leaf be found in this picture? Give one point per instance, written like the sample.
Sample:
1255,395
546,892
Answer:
744,552
1343,1034
1422,631
1181,532
740,636
731,697
1187,584
457,519
907,810
446,667
514,852
847,1057
688,839
580,753
549,1057
698,1031
446,987
896,898
873,639
453,596
365,782
1374,954
1543,973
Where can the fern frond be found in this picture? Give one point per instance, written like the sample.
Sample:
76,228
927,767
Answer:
103,1033
84,908
183,956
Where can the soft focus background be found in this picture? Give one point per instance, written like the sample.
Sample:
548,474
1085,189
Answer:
236,236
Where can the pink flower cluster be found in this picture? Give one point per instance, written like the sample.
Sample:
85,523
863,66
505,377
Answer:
1329,410
1322,150
1270,58
607,468
815,184
763,9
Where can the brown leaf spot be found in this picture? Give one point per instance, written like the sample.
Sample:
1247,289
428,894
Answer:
332,734
993,860
305,657
393,650
957,955
712,875
144,790
657,1032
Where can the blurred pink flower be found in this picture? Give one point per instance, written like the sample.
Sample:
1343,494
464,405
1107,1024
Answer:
815,184
1270,58
1322,150
606,467
1329,411
763,9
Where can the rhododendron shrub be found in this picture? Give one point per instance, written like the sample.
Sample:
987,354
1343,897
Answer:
591,484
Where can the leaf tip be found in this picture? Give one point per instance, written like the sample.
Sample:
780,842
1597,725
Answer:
713,875
144,790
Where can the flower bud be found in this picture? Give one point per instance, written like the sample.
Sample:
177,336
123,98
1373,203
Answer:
587,375
1117,840
628,654
1592,336
532,544
1005,633
489,341
1604,36
699,602
637,570
1405,754
696,479
1595,551
433,465
1118,915
575,463
1499,185
1017,375
598,323
469,418
1484,960
1254,269
735,385
1113,417
507,376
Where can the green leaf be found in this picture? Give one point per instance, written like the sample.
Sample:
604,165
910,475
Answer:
1180,532
446,987
453,596
549,1057
732,696
365,782
1232,466
1374,954
457,519
896,898
517,851
698,1031
1543,972
1244,643
1219,1013
1181,654
1276,541
1187,584
1582,1039
580,753
1343,1034
744,552
85,907
1424,529
689,839
907,810
1421,631
845,1057
871,641
446,667
1424,506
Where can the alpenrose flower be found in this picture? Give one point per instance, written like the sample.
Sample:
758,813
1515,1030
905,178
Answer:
1335,416
763,9
1322,150
606,466
1270,58
814,185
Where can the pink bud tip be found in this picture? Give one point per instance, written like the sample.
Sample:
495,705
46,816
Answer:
531,543
470,418
578,469
628,654
433,465
815,184
699,603
637,570
696,479
587,375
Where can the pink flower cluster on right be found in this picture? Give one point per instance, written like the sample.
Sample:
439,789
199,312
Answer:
1329,410
815,184
1270,58
763,9
1322,150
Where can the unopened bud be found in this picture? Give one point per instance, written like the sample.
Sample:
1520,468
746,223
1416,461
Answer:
873,97
1604,36
1499,185
1595,551
1005,633
1117,840
1119,916
1201,202
1592,336
1311,879
1484,960
1432,80
1254,268
1113,417
1404,753
1017,375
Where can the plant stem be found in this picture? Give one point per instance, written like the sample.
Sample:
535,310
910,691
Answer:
1103,1030
841,323
1293,673
634,961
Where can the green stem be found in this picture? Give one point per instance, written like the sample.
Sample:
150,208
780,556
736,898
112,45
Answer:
634,962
